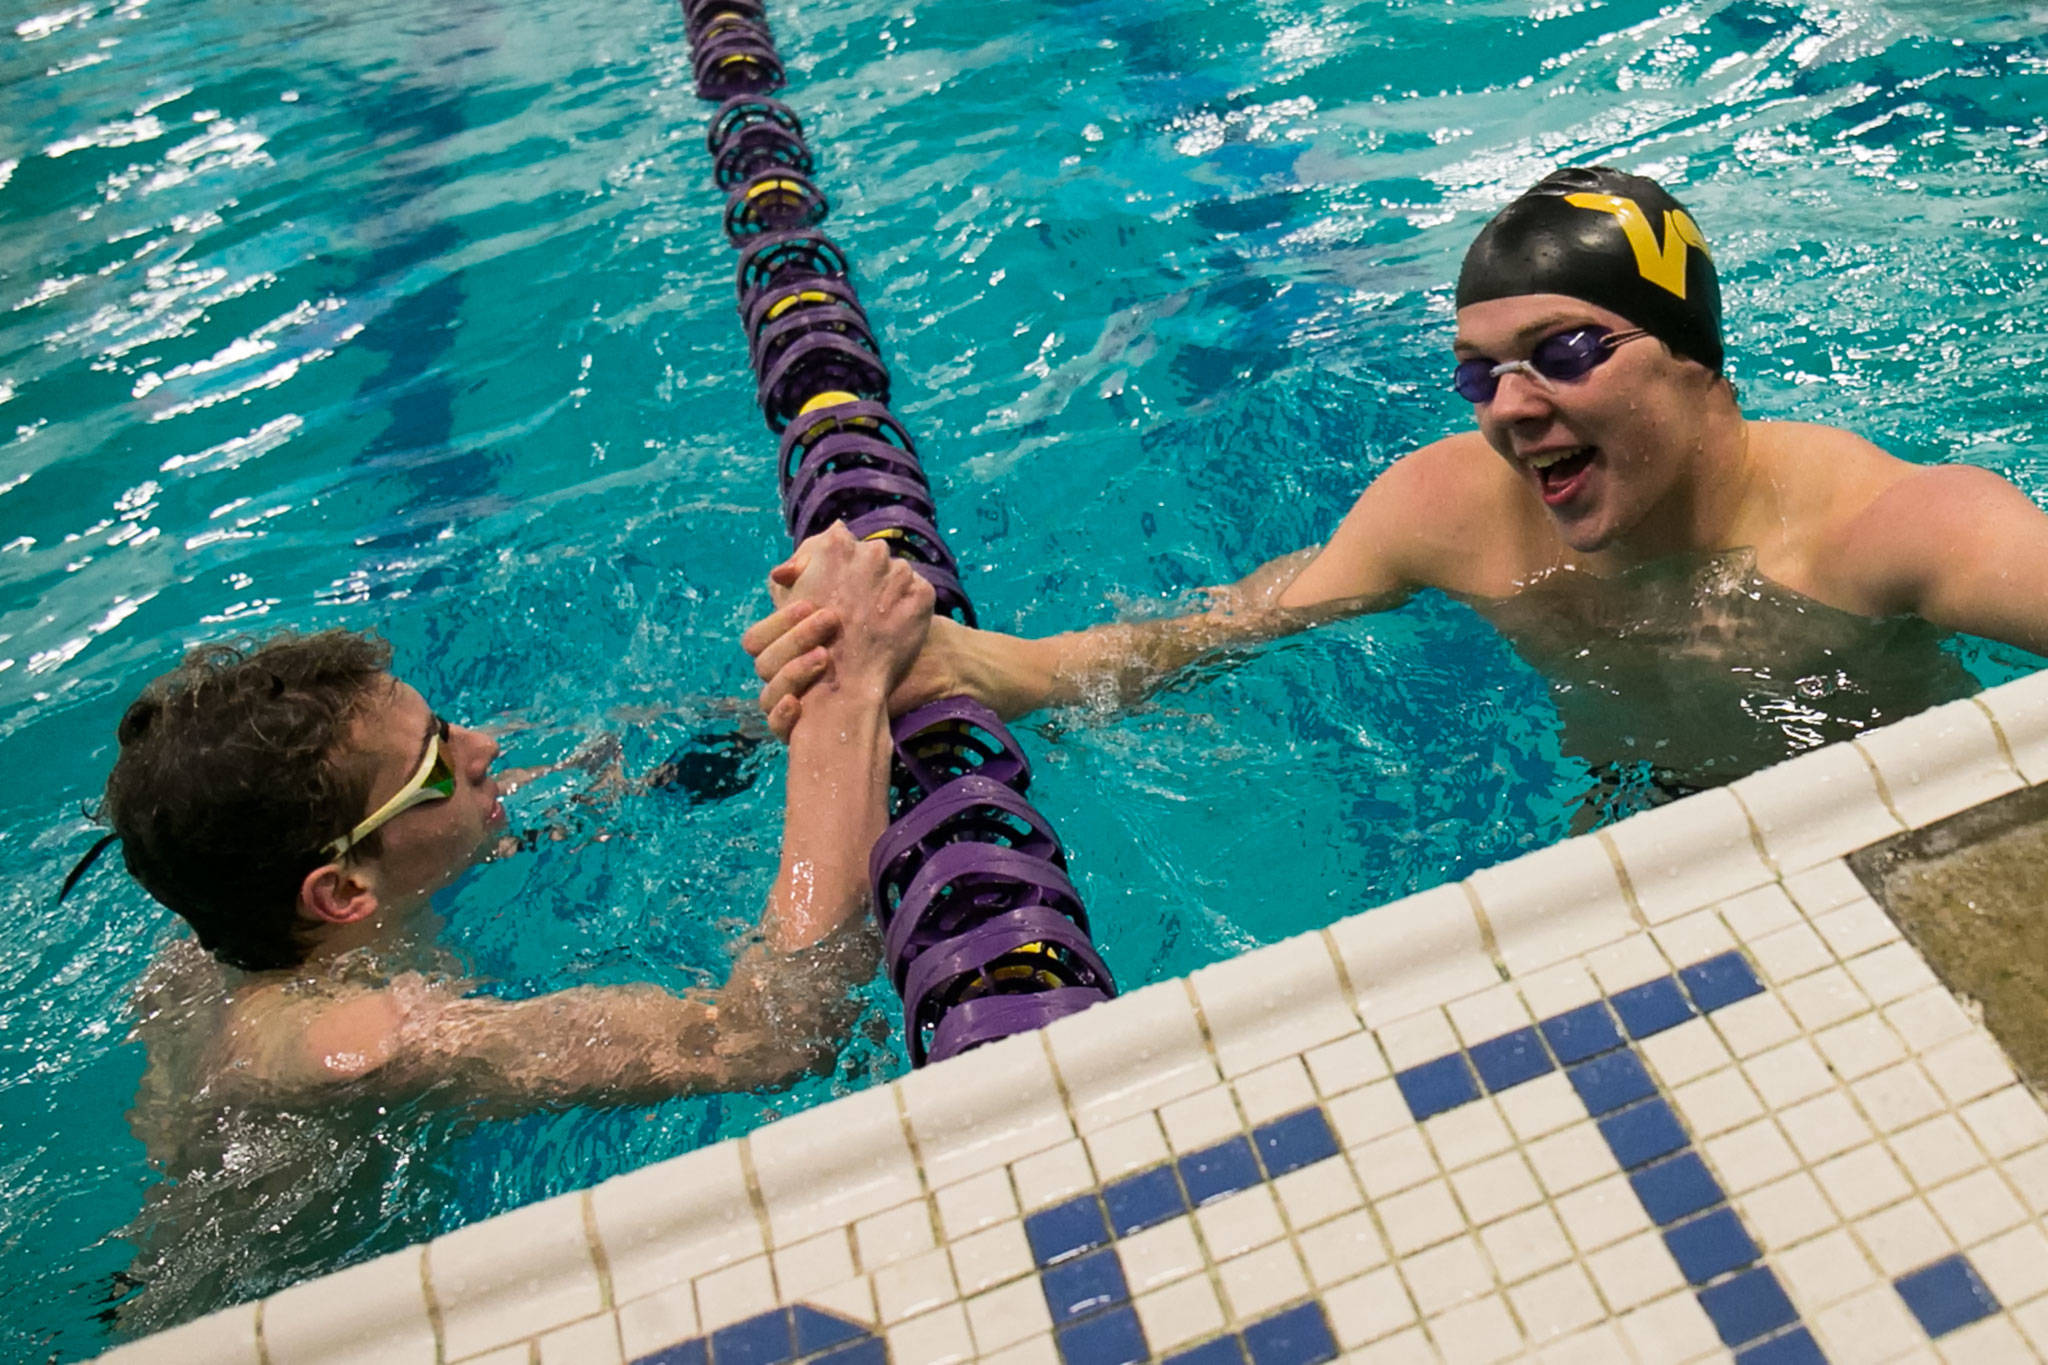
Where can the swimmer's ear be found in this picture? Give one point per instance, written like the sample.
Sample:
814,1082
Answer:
335,893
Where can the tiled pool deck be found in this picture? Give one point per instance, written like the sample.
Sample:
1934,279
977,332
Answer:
1675,1091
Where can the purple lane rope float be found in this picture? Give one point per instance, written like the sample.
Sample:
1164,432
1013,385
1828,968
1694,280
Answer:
984,935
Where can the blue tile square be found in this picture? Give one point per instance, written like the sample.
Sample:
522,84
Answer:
1139,1201
1510,1059
1748,1306
1065,1230
869,1352
1946,1295
1611,1081
1584,1032
1640,1135
1074,1289
1106,1339
691,1352
1224,1350
1216,1171
1435,1086
764,1339
1298,1336
1712,1244
1719,981
816,1330
1652,1007
1298,1140
1796,1347
1674,1189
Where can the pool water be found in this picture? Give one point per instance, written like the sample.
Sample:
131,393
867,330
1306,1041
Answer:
417,318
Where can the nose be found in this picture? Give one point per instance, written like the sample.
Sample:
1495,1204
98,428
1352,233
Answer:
479,751
1520,395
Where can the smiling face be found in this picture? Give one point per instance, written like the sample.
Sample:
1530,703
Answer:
426,846
1611,455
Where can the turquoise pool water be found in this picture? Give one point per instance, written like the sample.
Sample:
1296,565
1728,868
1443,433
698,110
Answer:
417,318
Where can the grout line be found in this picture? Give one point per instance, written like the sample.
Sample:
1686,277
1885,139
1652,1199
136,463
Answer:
434,1316
1059,1083
1489,942
1998,733
1884,788
1349,991
757,1201
603,1261
262,1346
1628,886
1756,835
926,1194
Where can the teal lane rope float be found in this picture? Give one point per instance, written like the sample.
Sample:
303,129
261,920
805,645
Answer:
984,935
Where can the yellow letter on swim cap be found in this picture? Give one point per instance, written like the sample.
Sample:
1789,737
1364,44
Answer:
1664,267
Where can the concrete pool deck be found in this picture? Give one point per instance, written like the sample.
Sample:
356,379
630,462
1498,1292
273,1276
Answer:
1676,1090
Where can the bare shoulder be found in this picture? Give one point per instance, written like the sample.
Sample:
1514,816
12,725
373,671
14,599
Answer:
295,1040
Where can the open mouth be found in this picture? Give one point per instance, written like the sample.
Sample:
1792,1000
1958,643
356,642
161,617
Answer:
1559,473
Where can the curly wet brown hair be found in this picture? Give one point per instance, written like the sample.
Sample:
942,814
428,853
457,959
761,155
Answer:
235,772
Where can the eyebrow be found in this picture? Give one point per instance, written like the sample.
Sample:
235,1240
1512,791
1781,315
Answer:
1549,323
433,728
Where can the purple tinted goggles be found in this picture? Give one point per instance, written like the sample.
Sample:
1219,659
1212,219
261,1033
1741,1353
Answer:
1558,357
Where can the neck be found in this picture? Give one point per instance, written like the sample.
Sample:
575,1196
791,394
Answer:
394,934
1708,506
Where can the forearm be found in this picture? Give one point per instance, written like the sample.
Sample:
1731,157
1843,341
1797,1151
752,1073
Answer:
834,810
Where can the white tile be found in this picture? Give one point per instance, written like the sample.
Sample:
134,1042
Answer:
1750,1026
1370,1112
1318,1192
514,1276
2020,708
2028,1171
1032,1351
1751,1156
1928,1019
1448,1274
938,1338
1394,1162
593,1341
1541,1106
2014,1266
1936,1150
1824,1125
1368,1308
1897,1097
1890,973
2032,1319
1488,1014
1273,1091
1553,904
1818,806
894,1235
1693,937
1160,1255
854,1301
1939,762
1627,962
1495,1187
1526,1244
1869,1325
1272,1003
1862,1181
1569,1159
1201,1120
2007,1121
1786,1211
519,1354
1555,1303
657,1321
1418,1038
1820,889
1479,1332
977,1114
1791,953
1050,1176
1180,1313
1714,1104
1002,1317
824,1259
1825,1270
224,1338
1977,1206
1411,1347
1411,955
1604,1212
1688,854
1969,1067
1420,1217
1824,998
833,1164
734,1293
1342,1248
1601,1344
1788,1073
366,1315
1675,1327
1686,1052
906,1288
1262,1280
1131,1145
1240,1222
1993,1341
676,1219
1856,928
1469,1133
985,1200
1861,1046
1904,1237
1093,1050
1556,990
991,1256
1347,1064
1765,910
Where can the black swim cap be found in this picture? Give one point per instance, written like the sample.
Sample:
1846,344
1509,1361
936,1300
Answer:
1611,239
